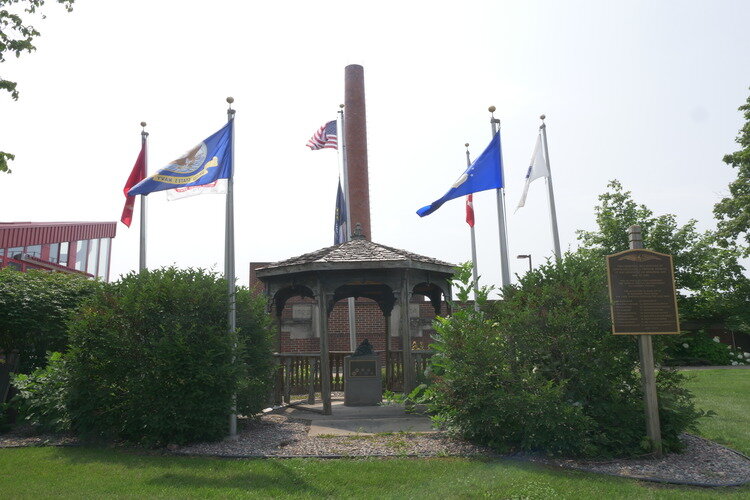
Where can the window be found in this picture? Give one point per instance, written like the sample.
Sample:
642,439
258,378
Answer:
82,251
15,252
104,258
54,252
93,258
34,251
63,254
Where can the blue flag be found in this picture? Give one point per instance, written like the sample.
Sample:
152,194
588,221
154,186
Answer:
484,173
205,163
339,223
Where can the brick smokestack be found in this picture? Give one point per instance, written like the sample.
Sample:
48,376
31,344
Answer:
355,128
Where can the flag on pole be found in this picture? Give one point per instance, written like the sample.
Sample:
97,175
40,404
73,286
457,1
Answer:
218,186
484,173
324,138
136,175
340,220
537,168
205,163
470,210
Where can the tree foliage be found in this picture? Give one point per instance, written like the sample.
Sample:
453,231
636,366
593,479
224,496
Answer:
16,37
544,373
710,280
34,309
733,212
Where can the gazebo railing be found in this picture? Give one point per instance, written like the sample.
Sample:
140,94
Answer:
298,374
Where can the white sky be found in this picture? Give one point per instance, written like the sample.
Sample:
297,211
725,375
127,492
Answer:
645,92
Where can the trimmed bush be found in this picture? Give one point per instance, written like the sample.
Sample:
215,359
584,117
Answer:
151,361
34,308
255,329
698,348
42,397
543,372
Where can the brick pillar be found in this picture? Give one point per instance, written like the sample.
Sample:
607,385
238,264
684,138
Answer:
355,128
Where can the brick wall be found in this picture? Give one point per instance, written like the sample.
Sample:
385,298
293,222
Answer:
370,323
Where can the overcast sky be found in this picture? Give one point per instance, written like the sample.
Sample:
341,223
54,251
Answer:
641,91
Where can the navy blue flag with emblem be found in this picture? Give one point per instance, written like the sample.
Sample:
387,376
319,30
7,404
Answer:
205,163
482,174
339,223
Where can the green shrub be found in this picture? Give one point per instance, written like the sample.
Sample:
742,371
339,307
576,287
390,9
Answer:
543,372
151,360
255,329
43,396
34,307
698,348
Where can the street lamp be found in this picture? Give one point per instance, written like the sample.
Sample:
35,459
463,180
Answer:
525,257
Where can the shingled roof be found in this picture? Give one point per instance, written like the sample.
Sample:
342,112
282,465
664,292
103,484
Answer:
355,254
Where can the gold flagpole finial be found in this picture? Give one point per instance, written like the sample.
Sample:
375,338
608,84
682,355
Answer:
341,106
143,130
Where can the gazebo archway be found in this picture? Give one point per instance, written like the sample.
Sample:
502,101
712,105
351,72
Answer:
359,268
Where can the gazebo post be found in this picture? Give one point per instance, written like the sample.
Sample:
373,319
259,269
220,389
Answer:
409,376
325,366
388,369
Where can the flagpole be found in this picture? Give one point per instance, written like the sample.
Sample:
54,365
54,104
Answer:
229,263
142,246
474,267
550,192
504,264
348,234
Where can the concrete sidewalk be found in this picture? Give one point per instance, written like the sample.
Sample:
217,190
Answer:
350,420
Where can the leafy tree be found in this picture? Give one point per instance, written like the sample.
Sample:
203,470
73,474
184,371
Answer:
16,37
733,212
709,278
34,309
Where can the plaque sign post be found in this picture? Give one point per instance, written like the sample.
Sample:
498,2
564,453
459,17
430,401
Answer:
643,302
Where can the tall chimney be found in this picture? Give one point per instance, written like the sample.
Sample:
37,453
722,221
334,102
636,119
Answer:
355,129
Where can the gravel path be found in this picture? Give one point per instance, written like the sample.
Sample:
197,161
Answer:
702,463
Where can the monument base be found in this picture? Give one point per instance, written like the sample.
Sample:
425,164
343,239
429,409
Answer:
362,383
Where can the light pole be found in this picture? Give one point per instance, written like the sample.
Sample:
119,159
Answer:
525,257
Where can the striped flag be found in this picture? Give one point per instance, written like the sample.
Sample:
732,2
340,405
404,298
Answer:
470,210
324,138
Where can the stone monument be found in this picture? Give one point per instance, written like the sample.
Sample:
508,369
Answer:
362,383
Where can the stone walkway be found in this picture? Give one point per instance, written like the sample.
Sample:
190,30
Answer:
358,420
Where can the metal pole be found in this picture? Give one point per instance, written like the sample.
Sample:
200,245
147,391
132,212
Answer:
646,355
142,246
474,269
229,264
504,264
351,303
550,192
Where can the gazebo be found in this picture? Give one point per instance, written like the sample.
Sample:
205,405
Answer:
359,268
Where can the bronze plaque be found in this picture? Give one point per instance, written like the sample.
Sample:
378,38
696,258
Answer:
642,293
362,368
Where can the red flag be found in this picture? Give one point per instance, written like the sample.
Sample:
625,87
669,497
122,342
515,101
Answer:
136,176
470,210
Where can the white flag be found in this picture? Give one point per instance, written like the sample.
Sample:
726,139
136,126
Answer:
219,186
537,168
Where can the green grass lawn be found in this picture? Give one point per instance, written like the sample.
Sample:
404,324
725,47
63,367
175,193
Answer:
727,392
88,472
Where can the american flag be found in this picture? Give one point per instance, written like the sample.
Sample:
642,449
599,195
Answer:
325,137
